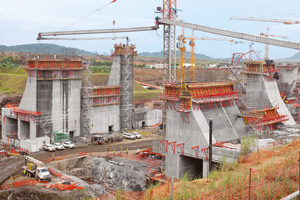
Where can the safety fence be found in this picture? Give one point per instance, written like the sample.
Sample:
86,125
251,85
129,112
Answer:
58,186
278,179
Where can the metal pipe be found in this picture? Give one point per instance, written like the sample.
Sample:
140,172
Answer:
210,145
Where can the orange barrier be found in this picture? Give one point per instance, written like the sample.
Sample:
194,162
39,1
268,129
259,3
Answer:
25,182
61,186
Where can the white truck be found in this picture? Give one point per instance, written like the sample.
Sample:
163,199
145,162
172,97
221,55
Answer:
36,168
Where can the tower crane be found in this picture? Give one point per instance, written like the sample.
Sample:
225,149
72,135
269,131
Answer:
284,21
267,45
192,74
169,22
182,57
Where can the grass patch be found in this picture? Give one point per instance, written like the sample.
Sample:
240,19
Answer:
247,144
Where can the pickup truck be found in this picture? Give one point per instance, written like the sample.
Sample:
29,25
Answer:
40,173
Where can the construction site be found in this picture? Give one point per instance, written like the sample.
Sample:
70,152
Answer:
225,133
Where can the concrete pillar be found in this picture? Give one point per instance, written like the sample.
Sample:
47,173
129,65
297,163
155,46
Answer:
32,129
205,171
19,130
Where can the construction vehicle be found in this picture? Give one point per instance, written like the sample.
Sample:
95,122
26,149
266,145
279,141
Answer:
36,168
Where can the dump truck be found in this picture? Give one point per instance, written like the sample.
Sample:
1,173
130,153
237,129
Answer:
36,168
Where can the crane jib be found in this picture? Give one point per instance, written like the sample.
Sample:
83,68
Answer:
232,34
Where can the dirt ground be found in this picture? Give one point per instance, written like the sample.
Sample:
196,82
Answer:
132,145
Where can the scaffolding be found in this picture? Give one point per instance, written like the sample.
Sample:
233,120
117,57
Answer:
126,52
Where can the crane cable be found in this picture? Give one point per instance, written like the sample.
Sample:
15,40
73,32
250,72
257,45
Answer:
91,14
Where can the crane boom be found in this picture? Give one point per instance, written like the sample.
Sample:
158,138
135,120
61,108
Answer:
97,31
209,38
233,34
289,21
102,38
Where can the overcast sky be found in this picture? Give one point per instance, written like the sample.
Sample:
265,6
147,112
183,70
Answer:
22,20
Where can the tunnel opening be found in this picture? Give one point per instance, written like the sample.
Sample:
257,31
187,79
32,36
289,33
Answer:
192,166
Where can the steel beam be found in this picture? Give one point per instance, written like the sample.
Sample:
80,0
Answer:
97,31
232,34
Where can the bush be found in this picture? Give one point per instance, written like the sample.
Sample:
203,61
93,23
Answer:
247,144
100,69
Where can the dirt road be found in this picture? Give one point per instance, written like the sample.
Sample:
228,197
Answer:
132,145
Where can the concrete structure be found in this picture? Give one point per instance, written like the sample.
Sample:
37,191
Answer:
51,101
288,79
143,117
188,109
263,100
100,109
122,75
54,100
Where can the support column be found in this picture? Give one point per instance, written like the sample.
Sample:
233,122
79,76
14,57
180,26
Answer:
205,170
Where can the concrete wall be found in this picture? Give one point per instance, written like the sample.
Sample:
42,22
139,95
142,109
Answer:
28,101
261,92
183,132
153,117
288,76
34,145
102,117
227,126
115,72
275,99
256,92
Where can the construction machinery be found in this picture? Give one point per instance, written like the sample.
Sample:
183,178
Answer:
37,169
284,21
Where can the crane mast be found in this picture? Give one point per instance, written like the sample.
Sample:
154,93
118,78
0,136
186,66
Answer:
169,50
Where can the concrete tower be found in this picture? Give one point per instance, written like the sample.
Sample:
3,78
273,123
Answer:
122,75
51,101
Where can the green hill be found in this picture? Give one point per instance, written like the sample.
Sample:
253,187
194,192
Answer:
295,56
45,49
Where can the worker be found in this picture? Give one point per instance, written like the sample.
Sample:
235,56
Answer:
127,150
24,172
114,151
52,156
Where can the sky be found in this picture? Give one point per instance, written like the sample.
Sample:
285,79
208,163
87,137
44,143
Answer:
21,21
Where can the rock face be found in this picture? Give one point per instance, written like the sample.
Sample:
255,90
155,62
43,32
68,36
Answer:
37,193
125,177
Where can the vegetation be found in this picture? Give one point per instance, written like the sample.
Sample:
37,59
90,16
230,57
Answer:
247,144
45,49
100,69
